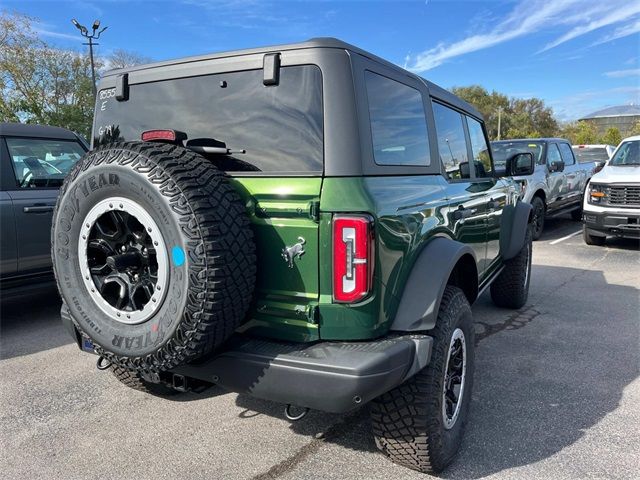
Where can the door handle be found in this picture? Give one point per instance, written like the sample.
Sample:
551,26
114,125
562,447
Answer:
462,213
38,209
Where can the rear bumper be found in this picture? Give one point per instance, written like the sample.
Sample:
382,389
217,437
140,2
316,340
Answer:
620,224
327,376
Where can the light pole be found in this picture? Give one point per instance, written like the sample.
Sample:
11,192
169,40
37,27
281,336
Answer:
499,119
95,34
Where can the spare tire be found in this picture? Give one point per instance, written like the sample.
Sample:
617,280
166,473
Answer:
153,254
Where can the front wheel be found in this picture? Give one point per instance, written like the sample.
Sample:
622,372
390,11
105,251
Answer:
589,239
420,424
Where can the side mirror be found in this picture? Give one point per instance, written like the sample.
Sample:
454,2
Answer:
556,166
520,164
598,166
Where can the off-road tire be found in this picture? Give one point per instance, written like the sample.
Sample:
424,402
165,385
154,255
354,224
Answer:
538,213
511,288
133,379
209,289
589,239
407,422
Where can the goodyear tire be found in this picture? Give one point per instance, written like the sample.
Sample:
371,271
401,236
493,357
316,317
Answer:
511,288
153,254
420,424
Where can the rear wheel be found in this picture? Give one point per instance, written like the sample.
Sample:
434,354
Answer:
511,288
420,424
590,239
537,221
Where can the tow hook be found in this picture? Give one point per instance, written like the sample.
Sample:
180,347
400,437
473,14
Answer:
294,418
102,363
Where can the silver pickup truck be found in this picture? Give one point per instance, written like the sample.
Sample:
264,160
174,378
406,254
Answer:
557,185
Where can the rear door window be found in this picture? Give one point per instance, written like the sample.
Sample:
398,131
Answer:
279,127
398,122
452,145
42,163
479,149
567,154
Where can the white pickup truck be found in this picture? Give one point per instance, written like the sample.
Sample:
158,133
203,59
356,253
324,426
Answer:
612,203
558,183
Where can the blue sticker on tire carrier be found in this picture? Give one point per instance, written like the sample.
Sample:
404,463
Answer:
177,253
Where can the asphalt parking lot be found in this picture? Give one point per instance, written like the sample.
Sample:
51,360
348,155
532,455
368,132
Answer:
557,395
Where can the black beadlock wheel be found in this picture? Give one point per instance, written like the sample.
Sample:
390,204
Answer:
153,254
511,288
420,424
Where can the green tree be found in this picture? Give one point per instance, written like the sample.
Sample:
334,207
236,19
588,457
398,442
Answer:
612,136
635,130
519,118
579,133
39,83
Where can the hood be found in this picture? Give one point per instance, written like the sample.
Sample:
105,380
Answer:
611,174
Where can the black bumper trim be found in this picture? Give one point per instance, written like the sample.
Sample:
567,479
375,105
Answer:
328,376
621,225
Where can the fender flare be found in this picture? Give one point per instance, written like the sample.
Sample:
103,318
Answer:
513,228
420,302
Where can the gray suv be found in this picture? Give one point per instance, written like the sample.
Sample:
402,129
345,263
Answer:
34,160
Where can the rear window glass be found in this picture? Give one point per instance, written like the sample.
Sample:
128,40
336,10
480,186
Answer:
398,122
591,154
504,150
279,127
41,163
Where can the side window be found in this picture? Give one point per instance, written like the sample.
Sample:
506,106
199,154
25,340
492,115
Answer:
553,154
567,154
452,145
398,122
479,148
41,163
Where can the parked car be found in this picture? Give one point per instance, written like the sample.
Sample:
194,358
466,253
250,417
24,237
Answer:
558,182
599,154
338,213
612,204
33,162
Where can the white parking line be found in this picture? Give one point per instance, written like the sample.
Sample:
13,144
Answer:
565,238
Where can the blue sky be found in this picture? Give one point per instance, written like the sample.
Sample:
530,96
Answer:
578,55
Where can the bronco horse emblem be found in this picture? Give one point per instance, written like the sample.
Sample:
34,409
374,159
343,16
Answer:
290,253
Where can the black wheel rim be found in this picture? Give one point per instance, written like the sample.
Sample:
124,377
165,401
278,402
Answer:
123,260
454,379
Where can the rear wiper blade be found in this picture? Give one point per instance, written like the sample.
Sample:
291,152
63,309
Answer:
212,147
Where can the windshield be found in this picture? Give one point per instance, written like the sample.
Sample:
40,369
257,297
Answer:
42,162
504,150
591,154
627,154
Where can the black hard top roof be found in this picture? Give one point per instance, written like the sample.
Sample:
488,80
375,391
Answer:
38,131
320,42
544,139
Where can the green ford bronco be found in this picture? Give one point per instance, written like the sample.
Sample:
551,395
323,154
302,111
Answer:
307,224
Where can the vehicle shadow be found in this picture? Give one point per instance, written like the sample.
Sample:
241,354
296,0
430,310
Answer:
544,376
30,323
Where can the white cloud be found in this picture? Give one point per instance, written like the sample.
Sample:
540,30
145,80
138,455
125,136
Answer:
632,72
572,107
620,32
48,33
617,15
527,17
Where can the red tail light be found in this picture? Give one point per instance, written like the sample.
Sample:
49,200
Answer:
163,135
353,257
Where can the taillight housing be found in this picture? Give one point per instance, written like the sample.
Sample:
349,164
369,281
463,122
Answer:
353,257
